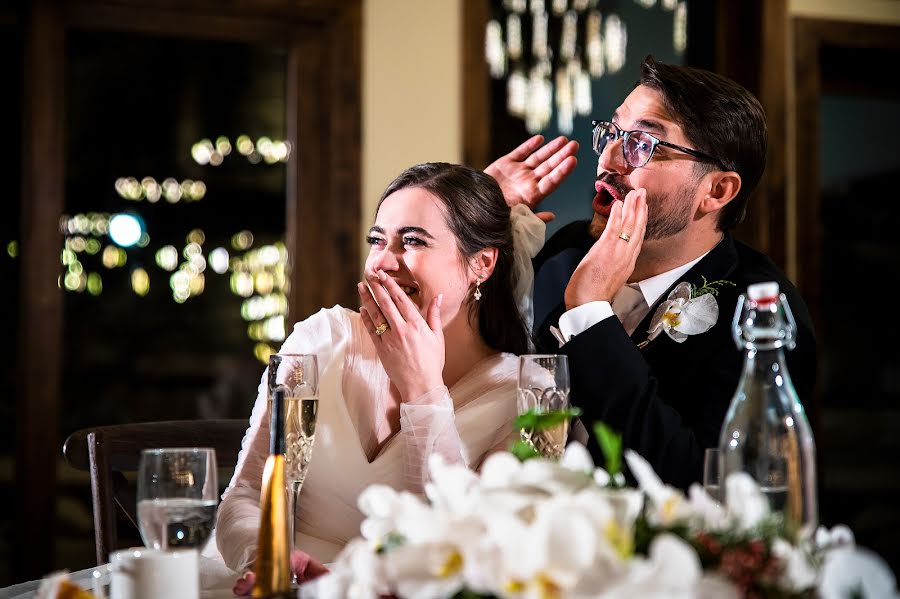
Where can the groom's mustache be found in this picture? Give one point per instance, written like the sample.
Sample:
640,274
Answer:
615,181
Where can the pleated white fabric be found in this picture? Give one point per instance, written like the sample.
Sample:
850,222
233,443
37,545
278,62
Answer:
354,446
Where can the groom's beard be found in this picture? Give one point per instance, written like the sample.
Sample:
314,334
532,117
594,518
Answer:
667,214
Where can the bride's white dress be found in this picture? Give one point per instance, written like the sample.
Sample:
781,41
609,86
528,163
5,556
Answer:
462,424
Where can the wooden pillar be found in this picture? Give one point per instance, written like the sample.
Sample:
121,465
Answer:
40,321
323,184
476,116
751,46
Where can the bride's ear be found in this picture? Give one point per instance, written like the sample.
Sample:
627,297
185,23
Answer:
483,263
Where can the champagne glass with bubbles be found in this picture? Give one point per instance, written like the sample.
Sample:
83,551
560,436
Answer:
544,387
298,376
178,491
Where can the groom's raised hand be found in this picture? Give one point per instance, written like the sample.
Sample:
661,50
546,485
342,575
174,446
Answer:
531,172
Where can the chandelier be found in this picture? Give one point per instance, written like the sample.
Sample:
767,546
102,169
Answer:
571,45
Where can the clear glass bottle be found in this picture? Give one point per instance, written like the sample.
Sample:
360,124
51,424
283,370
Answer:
766,432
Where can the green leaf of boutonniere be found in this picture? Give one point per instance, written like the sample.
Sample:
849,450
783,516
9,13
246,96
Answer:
708,287
611,444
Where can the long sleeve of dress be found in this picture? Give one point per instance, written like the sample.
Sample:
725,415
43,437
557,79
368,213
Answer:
428,426
237,524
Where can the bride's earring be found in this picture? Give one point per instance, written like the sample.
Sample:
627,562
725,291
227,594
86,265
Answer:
477,294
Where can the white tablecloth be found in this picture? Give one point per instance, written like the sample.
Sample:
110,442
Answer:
216,581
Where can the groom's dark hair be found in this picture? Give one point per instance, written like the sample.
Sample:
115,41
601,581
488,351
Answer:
720,118
479,218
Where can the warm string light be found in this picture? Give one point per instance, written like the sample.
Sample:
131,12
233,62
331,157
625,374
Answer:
256,274
556,73
265,149
189,190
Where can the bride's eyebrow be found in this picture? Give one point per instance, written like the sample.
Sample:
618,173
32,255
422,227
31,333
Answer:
417,230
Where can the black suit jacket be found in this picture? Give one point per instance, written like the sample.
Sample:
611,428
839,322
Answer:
667,399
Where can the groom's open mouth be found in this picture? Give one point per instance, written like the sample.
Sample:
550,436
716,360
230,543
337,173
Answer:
606,195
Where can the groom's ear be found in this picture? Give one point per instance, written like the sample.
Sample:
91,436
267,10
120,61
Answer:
483,262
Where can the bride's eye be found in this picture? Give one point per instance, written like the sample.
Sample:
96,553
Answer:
413,241
372,240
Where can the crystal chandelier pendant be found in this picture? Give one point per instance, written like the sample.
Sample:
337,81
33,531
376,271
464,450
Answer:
494,52
551,60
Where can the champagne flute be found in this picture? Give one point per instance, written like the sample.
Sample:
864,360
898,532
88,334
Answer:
298,376
711,474
177,494
544,387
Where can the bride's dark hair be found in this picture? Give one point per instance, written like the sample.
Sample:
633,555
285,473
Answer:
479,218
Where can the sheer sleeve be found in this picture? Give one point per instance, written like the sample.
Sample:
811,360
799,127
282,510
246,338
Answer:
528,239
237,523
428,426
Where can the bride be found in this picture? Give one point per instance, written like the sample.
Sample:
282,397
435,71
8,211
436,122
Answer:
427,365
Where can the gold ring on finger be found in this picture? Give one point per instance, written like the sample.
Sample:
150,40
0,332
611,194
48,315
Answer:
382,329
624,236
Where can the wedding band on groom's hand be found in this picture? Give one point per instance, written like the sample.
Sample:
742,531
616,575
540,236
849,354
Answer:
382,329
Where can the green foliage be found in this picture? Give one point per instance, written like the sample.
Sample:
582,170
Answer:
467,594
708,287
611,444
391,541
533,420
538,421
524,451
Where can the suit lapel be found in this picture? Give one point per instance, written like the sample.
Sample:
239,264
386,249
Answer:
718,264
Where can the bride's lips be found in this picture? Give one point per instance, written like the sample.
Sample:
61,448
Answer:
606,195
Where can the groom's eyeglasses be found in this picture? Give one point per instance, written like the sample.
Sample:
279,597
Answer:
637,146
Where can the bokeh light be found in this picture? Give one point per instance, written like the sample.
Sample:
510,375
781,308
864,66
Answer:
218,260
140,282
242,240
125,229
167,258
94,284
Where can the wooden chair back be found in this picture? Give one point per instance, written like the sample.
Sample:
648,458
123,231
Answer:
107,452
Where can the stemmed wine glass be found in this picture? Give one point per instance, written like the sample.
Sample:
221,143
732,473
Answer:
298,376
544,387
178,491
711,472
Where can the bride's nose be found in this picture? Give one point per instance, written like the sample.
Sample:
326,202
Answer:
386,260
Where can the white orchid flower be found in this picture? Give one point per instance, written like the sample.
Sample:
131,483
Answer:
425,571
799,573
745,501
577,459
681,315
856,572
389,512
672,569
838,536
668,503
453,487
357,573
709,514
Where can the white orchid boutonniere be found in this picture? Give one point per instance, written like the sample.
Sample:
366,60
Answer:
689,310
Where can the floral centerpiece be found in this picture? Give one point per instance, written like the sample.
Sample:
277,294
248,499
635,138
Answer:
543,529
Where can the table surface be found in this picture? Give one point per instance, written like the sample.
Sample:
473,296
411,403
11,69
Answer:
216,581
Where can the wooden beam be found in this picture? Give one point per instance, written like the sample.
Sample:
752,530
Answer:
476,103
770,199
218,23
40,322
323,180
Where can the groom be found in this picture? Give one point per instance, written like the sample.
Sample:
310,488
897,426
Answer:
677,162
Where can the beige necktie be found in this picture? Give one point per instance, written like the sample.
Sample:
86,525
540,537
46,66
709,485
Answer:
629,306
